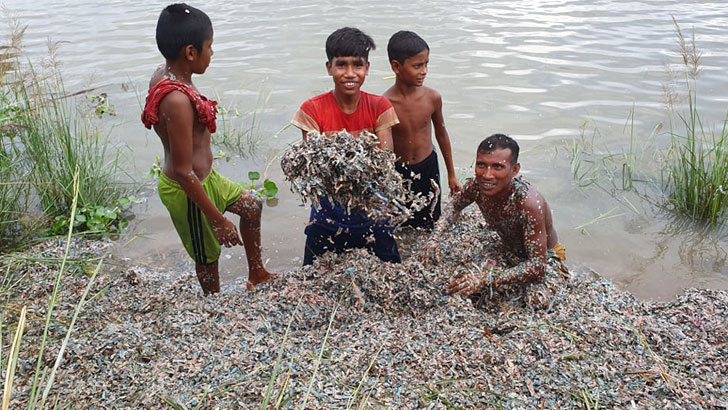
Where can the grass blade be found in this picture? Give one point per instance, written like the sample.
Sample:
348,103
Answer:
12,361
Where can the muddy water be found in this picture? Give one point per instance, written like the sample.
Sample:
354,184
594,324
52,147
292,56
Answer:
537,70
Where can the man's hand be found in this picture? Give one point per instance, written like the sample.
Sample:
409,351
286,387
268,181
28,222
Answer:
226,233
455,187
465,283
471,282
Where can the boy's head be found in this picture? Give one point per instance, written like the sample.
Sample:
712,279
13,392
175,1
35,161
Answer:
496,164
409,55
347,50
180,25
405,44
349,42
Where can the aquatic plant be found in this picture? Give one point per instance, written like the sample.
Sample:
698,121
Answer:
696,177
688,175
45,140
239,132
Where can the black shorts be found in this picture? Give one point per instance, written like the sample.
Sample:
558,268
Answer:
428,170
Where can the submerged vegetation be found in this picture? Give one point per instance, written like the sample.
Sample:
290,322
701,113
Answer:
687,174
45,140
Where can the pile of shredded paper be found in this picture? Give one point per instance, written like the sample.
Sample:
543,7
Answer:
353,173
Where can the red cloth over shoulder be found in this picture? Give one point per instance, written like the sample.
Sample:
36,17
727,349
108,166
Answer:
206,109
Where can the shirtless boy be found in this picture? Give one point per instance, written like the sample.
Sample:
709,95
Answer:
419,109
195,195
512,208
330,227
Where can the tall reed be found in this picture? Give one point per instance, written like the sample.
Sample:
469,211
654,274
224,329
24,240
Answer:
696,177
56,141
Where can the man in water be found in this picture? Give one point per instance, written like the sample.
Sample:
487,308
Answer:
513,209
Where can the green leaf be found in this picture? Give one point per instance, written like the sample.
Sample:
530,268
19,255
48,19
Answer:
245,186
271,189
253,175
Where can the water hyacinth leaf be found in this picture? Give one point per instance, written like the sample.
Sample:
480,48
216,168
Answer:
271,189
253,175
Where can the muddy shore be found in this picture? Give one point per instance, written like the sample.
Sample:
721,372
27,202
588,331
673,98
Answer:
351,332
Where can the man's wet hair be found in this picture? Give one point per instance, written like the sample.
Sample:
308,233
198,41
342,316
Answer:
180,25
502,141
405,44
349,42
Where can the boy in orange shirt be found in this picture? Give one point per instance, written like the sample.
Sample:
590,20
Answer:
332,228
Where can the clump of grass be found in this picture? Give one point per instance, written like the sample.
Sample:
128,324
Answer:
44,140
689,177
696,177
13,189
239,132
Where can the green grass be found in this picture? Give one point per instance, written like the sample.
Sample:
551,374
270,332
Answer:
696,177
239,132
686,175
44,140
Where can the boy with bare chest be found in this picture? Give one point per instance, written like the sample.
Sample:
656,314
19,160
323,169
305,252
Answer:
419,110
195,195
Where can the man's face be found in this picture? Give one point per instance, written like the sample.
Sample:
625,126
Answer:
414,69
494,171
348,73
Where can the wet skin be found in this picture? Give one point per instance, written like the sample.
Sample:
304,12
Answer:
188,160
419,109
512,208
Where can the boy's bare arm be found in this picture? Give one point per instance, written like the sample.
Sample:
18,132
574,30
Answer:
178,114
385,139
443,140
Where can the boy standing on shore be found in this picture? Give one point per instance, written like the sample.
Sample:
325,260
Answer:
195,195
348,108
418,109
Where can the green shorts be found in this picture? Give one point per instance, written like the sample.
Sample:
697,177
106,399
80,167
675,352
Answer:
191,224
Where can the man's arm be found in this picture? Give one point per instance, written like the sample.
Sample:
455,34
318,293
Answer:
443,140
460,201
179,118
530,270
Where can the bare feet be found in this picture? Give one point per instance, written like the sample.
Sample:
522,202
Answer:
258,276
208,277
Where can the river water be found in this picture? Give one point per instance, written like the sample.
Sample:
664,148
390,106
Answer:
535,69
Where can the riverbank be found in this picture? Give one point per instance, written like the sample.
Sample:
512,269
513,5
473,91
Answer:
368,334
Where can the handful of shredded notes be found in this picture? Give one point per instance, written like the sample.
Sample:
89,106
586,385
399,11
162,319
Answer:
353,173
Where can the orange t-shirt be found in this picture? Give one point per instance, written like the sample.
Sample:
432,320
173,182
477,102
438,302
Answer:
321,113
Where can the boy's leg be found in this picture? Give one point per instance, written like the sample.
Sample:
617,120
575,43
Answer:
209,277
249,209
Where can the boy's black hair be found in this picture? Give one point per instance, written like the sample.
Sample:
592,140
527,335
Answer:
180,25
500,141
349,42
405,44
